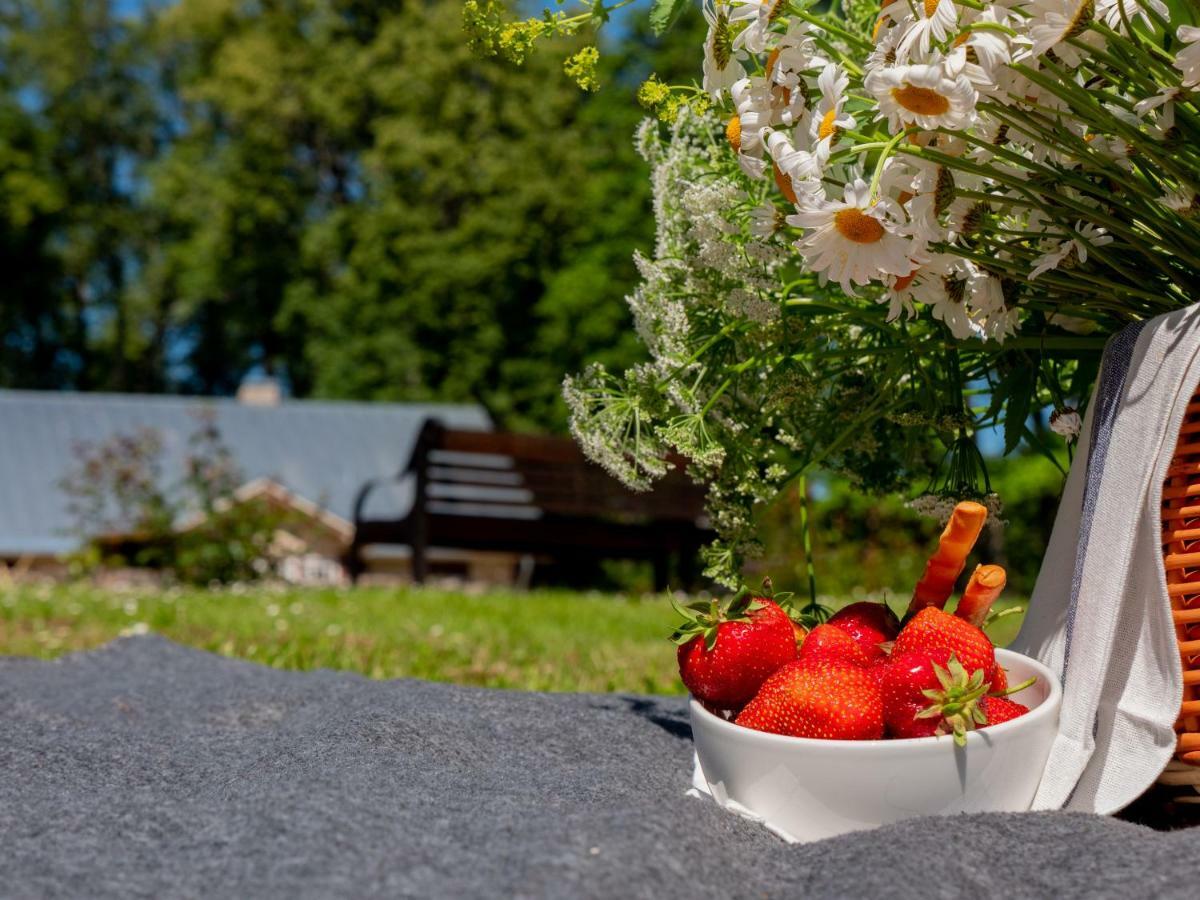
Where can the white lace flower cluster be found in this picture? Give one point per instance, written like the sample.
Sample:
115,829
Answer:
902,156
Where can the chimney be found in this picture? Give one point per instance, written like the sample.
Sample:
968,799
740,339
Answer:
260,392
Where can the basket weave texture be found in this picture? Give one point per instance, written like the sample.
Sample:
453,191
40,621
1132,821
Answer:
1181,559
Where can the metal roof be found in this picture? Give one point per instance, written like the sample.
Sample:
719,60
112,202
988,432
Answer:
320,450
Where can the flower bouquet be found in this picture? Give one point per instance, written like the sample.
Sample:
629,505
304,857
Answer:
880,229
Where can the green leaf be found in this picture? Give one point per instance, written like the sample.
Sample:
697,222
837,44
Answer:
665,13
1022,384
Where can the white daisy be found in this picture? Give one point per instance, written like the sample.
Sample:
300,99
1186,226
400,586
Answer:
1181,201
999,325
1188,59
722,62
854,240
942,284
1073,324
929,21
985,294
981,54
794,54
1053,22
899,294
752,101
759,15
766,220
924,96
785,69
1158,101
884,53
1114,12
828,120
1066,422
1073,250
800,165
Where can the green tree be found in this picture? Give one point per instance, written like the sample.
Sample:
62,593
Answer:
336,191
76,114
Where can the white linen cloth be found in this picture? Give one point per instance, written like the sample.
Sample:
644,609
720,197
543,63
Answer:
1100,614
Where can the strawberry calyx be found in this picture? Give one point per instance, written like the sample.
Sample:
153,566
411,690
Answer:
957,702
703,618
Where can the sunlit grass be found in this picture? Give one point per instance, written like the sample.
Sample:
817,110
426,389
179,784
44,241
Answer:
542,640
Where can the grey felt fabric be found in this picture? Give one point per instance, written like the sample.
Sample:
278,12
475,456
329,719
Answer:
145,769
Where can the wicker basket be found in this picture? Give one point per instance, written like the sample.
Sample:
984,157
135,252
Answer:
1181,558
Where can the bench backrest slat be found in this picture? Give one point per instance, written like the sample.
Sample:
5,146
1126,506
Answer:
524,476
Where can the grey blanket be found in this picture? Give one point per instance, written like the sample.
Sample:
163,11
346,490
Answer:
147,769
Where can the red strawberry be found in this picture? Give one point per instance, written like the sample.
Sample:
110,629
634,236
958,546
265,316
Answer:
870,624
928,692
1000,680
827,643
878,667
727,650
933,629
1001,709
821,699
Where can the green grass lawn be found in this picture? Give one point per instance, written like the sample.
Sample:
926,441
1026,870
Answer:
542,640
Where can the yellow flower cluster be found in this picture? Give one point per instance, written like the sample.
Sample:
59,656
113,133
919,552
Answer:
666,103
514,41
581,68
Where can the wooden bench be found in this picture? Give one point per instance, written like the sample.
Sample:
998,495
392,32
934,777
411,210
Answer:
489,491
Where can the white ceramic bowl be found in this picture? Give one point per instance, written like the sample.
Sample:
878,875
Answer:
807,789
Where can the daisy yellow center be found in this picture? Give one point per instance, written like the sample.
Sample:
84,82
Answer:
930,8
1084,13
733,134
904,281
827,128
855,225
775,9
922,101
784,183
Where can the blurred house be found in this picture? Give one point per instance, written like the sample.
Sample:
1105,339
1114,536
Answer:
306,457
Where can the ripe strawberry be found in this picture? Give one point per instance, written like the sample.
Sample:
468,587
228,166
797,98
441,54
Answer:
928,692
877,667
1000,680
933,629
820,699
728,649
827,643
870,624
1001,709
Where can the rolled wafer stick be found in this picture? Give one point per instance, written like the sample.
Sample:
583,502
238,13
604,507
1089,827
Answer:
947,563
985,586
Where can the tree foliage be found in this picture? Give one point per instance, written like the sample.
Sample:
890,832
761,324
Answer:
338,192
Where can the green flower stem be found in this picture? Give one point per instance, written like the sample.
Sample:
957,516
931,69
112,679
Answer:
806,535
826,23
884,156
1115,226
